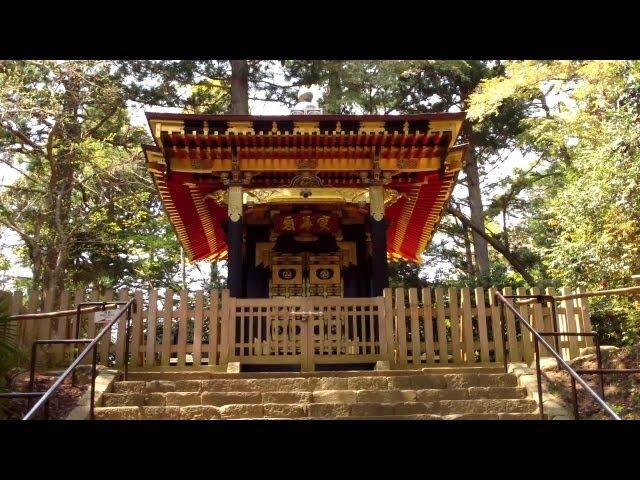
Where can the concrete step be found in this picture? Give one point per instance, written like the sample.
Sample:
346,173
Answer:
149,375
309,384
447,410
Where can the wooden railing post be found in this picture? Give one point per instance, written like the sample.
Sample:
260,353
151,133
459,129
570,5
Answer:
306,336
90,330
467,327
31,328
167,327
538,321
198,319
401,326
443,351
227,331
152,319
583,305
415,327
456,331
427,318
496,332
214,330
136,331
123,296
182,327
387,319
481,308
232,322
512,338
570,322
60,352
527,340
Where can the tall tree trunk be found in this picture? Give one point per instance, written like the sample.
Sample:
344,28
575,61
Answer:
467,248
61,185
333,98
239,87
480,247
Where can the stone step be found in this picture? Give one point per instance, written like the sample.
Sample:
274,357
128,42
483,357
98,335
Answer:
208,375
480,406
493,416
447,410
450,409
134,398
310,384
123,399
476,416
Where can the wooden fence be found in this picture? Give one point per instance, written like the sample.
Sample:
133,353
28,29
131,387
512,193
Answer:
408,327
466,324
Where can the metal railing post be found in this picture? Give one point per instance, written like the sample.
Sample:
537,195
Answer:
576,414
505,349
94,361
32,370
599,357
126,344
539,376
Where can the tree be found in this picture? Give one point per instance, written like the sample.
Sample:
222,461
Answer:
83,202
582,193
583,197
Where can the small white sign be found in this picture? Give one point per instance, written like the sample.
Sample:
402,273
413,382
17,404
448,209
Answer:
105,316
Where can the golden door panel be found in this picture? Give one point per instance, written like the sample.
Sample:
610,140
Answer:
286,274
324,274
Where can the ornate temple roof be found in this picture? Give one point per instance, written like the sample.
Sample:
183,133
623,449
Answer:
413,155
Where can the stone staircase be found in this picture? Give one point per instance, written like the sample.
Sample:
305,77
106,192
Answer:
435,393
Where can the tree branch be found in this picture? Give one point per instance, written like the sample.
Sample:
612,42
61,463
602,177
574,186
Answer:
495,243
22,137
109,114
12,226
10,165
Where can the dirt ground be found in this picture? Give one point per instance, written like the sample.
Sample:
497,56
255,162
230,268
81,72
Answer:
61,404
622,392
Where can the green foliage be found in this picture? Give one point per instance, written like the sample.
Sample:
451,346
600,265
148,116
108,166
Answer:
582,203
405,274
84,205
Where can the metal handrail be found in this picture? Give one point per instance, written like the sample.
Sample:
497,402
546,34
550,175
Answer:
66,313
539,339
128,307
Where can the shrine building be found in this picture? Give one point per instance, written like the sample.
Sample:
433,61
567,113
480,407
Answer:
305,205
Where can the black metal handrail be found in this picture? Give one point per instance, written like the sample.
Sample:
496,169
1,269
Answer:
575,377
129,308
